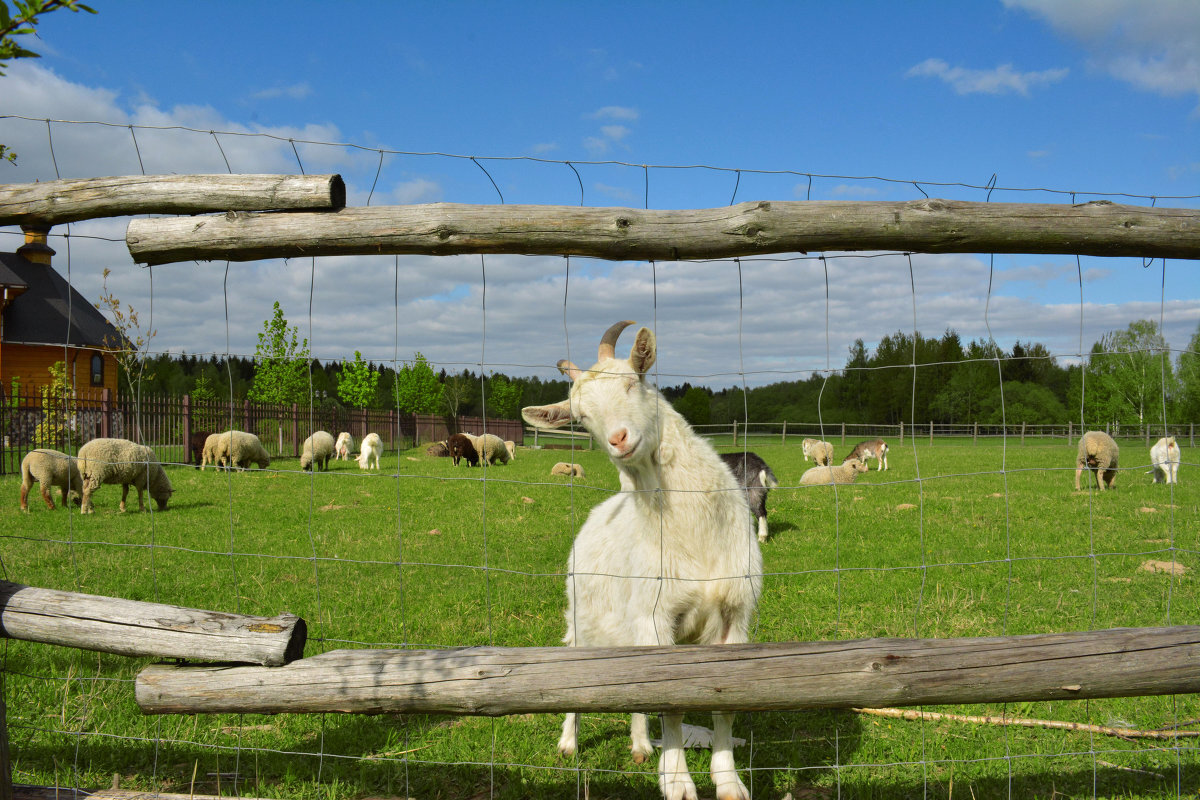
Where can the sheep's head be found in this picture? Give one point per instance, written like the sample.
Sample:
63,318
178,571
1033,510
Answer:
858,464
611,399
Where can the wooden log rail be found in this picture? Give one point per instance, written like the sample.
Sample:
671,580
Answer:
55,202
869,673
135,628
754,228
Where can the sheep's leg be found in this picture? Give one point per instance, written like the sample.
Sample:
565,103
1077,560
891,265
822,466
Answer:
124,495
48,497
724,773
25,496
673,778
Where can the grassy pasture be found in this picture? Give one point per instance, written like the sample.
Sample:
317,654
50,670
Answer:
956,539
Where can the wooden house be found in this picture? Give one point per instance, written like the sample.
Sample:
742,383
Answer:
43,320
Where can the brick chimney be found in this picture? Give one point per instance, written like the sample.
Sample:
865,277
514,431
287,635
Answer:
35,248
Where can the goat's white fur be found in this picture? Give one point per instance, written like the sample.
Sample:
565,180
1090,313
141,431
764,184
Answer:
369,450
343,447
679,516
1164,460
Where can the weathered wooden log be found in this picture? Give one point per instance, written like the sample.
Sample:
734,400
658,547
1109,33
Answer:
868,673
928,226
134,628
55,202
25,792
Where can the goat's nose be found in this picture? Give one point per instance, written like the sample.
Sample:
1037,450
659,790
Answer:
617,440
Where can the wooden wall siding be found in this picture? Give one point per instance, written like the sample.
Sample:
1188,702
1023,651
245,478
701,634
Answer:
31,365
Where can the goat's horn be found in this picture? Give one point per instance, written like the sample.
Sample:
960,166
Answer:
570,370
608,342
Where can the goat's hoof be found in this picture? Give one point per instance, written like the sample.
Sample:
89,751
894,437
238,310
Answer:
731,790
639,757
566,750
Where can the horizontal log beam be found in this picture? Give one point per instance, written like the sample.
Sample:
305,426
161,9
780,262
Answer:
135,628
55,202
869,673
26,792
755,228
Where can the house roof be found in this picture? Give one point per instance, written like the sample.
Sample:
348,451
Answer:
50,310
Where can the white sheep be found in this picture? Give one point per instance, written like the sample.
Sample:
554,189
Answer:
50,468
821,452
343,446
1164,460
370,449
670,559
845,472
236,449
121,461
511,446
491,449
318,449
1098,452
209,454
570,470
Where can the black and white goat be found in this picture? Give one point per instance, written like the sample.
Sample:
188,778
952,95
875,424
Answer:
670,559
756,479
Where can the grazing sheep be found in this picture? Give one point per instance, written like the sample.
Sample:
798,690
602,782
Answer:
491,449
196,444
121,461
511,446
756,479
437,450
570,470
821,452
462,446
209,453
239,449
370,449
846,472
343,446
865,451
1097,452
670,559
1164,458
318,449
50,468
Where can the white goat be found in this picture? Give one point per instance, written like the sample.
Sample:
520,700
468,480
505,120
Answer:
671,558
343,446
1164,460
369,450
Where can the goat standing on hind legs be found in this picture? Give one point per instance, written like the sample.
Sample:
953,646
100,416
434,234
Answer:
670,559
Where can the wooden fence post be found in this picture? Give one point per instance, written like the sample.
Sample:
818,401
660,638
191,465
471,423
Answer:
930,432
1070,431
1022,433
186,409
783,439
975,434
843,434
735,433
106,413
901,431
295,431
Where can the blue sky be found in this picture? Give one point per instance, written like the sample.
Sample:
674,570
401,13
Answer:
1091,98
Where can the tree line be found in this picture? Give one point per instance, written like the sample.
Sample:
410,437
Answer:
1128,377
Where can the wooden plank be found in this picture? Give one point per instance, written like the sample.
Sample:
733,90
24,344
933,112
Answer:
25,792
54,202
869,673
745,229
134,628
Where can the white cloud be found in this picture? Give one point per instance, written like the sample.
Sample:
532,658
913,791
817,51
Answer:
620,113
1152,45
614,133
999,80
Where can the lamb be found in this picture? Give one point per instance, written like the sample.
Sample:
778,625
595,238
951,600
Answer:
845,472
343,446
511,446
756,479
570,470
670,559
1164,458
317,451
821,452
865,451
462,446
437,450
121,461
370,449
239,449
491,449
1097,452
209,453
50,468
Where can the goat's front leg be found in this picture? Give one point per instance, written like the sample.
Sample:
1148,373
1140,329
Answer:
673,778
639,734
569,740
724,772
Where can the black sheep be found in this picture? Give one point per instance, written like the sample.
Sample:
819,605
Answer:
461,446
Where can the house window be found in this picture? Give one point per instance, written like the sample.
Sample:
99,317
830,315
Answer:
97,370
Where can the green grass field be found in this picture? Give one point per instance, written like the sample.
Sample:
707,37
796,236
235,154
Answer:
956,539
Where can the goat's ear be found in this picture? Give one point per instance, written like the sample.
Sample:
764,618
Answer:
641,357
554,415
